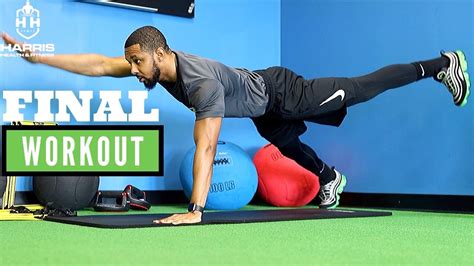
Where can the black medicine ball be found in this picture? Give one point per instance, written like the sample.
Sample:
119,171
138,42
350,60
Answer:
70,192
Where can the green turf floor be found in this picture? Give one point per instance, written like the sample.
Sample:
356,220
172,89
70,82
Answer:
404,238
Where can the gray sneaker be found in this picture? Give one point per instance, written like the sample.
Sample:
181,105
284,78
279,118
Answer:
455,77
329,193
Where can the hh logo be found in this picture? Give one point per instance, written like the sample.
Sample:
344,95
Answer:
28,21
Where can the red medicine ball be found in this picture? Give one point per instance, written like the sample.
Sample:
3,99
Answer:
281,181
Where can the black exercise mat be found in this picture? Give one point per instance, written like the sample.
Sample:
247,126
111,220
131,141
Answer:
225,217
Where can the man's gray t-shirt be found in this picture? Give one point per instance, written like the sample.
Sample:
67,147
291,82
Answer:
212,89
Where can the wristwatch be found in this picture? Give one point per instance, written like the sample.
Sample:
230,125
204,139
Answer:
192,207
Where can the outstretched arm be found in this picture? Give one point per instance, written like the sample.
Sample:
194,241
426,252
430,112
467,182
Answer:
88,64
83,64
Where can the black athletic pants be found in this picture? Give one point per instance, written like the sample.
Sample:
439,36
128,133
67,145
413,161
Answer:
294,100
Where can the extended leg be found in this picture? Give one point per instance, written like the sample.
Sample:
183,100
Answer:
450,69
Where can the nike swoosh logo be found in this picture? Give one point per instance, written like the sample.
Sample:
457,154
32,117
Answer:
422,70
334,96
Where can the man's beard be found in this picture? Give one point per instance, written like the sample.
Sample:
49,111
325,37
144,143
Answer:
151,83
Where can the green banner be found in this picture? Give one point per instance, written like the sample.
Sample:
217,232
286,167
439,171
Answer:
83,150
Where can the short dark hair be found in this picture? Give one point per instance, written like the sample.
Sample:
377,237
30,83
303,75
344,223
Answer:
149,38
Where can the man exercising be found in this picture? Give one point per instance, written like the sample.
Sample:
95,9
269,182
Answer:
277,100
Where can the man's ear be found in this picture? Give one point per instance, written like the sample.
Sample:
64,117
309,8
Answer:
159,54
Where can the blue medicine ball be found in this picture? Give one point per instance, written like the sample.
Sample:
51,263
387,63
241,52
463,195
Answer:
234,179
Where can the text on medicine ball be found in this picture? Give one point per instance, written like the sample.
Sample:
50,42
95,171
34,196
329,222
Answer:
222,186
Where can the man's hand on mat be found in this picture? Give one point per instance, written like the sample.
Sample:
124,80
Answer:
183,218
25,53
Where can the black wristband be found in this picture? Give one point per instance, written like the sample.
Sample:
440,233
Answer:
194,207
